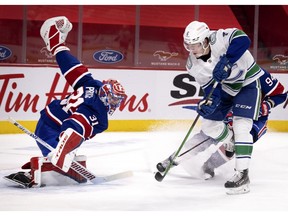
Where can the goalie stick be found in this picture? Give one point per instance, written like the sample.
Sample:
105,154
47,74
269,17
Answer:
284,106
158,176
77,167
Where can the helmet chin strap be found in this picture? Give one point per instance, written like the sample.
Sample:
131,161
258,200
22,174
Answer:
205,51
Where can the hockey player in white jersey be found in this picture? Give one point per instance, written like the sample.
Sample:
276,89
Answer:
222,56
273,94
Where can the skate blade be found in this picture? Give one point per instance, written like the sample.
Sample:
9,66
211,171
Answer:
207,176
15,183
239,190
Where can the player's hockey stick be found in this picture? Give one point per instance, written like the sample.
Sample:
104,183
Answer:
284,106
160,166
77,167
193,147
158,176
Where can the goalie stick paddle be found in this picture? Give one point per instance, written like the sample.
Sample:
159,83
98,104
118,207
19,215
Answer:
158,176
77,167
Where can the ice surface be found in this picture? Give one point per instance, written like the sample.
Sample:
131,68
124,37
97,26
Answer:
112,152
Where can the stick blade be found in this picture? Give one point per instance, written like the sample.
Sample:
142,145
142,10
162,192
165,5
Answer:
159,177
118,176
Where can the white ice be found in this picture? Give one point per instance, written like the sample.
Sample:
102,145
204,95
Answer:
112,152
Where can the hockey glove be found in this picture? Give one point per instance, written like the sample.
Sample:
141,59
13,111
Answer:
54,32
265,108
206,108
222,69
229,120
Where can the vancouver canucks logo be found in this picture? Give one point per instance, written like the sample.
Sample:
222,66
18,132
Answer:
212,38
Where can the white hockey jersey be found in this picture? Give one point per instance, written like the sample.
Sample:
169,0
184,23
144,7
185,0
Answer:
244,70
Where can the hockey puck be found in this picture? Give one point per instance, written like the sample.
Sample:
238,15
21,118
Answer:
159,177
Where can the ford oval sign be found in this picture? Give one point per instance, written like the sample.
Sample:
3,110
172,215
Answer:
108,56
5,52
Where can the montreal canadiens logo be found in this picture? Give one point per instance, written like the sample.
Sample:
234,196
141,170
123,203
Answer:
108,56
5,53
119,88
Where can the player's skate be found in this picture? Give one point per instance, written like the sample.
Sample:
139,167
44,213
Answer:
162,166
239,183
54,32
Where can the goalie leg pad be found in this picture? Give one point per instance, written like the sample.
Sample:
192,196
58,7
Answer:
36,167
41,167
65,151
42,171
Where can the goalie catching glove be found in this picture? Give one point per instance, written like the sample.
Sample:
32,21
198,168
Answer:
54,32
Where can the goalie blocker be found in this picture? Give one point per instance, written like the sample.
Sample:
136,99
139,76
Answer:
43,172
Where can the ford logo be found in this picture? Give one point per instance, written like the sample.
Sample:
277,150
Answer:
5,53
108,56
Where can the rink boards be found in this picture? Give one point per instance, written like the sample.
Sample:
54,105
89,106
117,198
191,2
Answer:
155,98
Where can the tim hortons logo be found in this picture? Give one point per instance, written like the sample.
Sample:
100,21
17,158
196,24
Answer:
132,104
10,101
164,56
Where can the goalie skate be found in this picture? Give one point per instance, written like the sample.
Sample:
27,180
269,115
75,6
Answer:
54,32
162,166
239,183
42,172
22,179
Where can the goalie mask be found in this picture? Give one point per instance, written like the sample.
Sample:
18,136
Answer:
111,94
194,37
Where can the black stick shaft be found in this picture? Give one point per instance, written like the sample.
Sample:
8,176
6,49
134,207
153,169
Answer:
188,133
